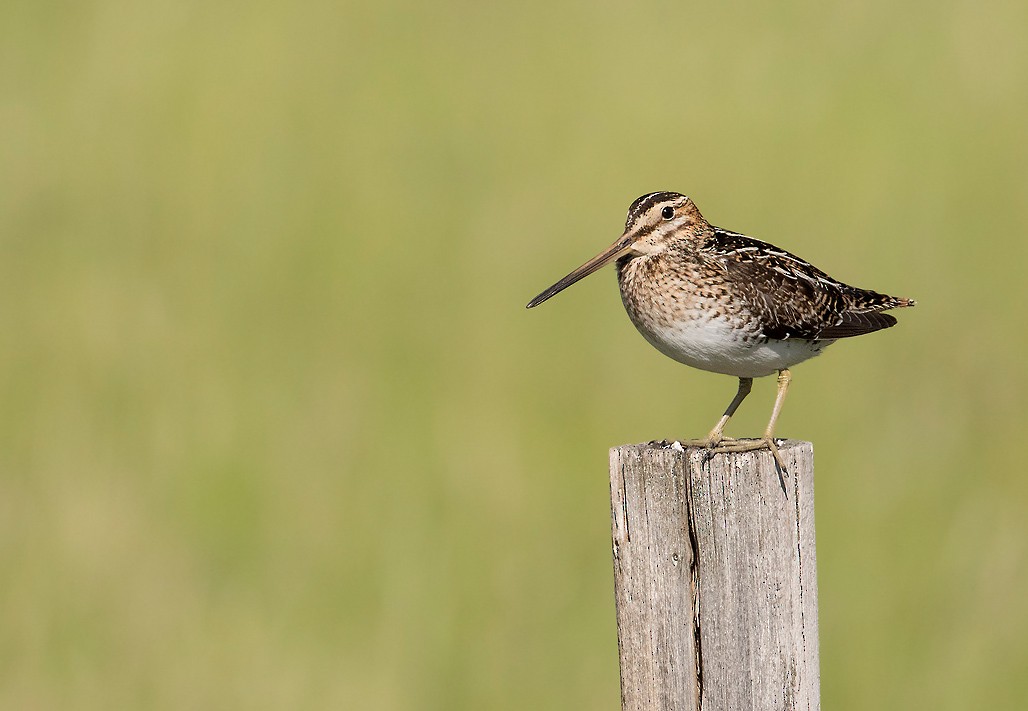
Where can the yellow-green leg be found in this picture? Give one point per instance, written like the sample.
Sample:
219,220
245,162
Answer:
784,378
715,437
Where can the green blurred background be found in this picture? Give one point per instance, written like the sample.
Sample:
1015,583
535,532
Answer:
278,433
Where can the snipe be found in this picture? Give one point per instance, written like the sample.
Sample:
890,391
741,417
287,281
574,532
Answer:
727,303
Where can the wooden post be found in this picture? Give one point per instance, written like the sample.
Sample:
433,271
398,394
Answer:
715,578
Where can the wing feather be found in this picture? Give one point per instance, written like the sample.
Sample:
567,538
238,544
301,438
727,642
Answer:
792,298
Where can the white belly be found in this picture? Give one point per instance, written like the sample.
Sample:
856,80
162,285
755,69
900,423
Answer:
716,346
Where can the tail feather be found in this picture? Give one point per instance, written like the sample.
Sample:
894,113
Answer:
865,301
864,315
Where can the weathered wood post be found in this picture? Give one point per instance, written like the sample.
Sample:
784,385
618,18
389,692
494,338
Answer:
715,579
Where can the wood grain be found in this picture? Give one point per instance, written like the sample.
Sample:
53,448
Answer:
715,578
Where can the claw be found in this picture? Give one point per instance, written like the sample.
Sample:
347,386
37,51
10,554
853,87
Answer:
752,445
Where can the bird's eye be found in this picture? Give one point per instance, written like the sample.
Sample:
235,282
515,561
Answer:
667,213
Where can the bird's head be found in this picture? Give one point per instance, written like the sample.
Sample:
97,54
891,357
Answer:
654,222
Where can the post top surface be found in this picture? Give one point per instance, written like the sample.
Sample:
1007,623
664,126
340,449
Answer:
675,445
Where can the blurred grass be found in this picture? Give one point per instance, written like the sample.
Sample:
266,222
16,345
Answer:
278,433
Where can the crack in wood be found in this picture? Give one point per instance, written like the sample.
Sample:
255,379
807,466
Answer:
694,575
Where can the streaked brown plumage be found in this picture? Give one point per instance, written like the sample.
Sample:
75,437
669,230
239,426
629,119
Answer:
724,302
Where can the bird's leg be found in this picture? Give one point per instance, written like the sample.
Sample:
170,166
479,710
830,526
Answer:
784,378
715,437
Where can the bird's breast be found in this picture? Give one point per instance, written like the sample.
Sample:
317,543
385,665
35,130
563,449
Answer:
695,320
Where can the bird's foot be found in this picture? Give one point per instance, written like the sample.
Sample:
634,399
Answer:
753,445
716,445
683,443
705,443
708,442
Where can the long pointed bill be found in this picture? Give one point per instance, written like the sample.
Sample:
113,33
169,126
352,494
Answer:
614,251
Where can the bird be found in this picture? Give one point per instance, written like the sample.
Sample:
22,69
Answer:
726,303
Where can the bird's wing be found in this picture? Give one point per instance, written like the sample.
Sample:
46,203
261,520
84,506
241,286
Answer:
791,297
